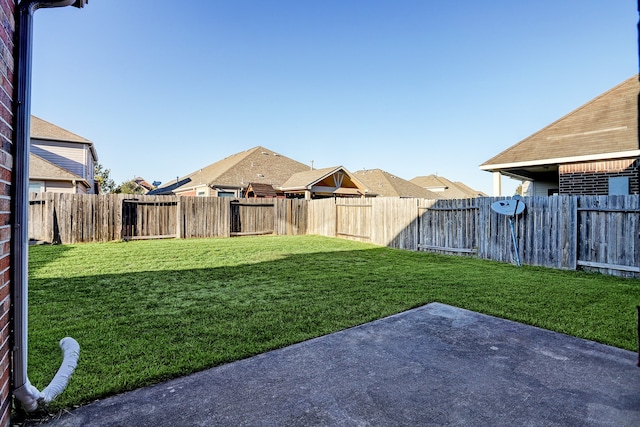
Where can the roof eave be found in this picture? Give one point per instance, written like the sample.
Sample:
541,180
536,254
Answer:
560,160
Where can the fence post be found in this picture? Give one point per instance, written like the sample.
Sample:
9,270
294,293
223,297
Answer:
179,218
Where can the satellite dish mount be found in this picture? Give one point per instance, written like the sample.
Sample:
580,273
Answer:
511,208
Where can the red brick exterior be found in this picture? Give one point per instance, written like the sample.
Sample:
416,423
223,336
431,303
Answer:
592,178
7,56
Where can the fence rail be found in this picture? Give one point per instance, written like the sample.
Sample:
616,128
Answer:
566,232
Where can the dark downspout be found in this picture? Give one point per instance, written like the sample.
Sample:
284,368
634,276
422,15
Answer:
23,390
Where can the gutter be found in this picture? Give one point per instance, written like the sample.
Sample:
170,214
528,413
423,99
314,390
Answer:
29,396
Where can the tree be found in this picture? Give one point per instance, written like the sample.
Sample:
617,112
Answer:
103,178
129,187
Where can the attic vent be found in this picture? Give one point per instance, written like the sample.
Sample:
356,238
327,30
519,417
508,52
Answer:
260,175
276,154
265,153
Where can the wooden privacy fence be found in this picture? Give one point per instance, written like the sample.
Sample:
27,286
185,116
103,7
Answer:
76,218
566,232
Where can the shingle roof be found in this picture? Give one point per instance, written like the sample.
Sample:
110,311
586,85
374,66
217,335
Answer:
308,179
606,124
451,190
262,190
470,192
383,183
259,165
41,129
305,179
41,169
431,181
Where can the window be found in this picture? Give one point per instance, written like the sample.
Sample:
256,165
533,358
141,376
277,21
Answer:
226,194
36,187
619,186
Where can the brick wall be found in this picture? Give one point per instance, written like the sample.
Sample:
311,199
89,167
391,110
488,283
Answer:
592,178
7,33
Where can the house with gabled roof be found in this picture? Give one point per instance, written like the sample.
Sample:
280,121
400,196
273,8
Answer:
445,188
592,150
385,184
322,183
256,190
60,161
230,177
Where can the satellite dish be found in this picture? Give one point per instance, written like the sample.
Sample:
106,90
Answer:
511,207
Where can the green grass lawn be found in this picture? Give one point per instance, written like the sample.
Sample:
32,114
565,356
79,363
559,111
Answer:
146,311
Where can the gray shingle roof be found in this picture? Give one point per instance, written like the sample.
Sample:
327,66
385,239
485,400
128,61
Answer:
606,124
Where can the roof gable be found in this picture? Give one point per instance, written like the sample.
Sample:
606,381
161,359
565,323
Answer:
606,124
337,177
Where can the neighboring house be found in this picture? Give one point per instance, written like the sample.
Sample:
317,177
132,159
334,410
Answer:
384,184
45,176
231,176
60,161
446,189
592,150
323,183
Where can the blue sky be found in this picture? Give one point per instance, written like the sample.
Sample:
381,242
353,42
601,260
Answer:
163,88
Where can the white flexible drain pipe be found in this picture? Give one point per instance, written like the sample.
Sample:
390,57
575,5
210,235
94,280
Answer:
28,395
31,397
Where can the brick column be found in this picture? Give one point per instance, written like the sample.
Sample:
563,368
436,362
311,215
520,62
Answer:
7,55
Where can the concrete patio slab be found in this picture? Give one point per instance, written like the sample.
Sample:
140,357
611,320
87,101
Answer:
433,366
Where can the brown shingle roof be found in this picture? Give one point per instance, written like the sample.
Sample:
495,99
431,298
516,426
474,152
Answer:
41,129
606,124
262,190
431,181
385,184
257,165
41,169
